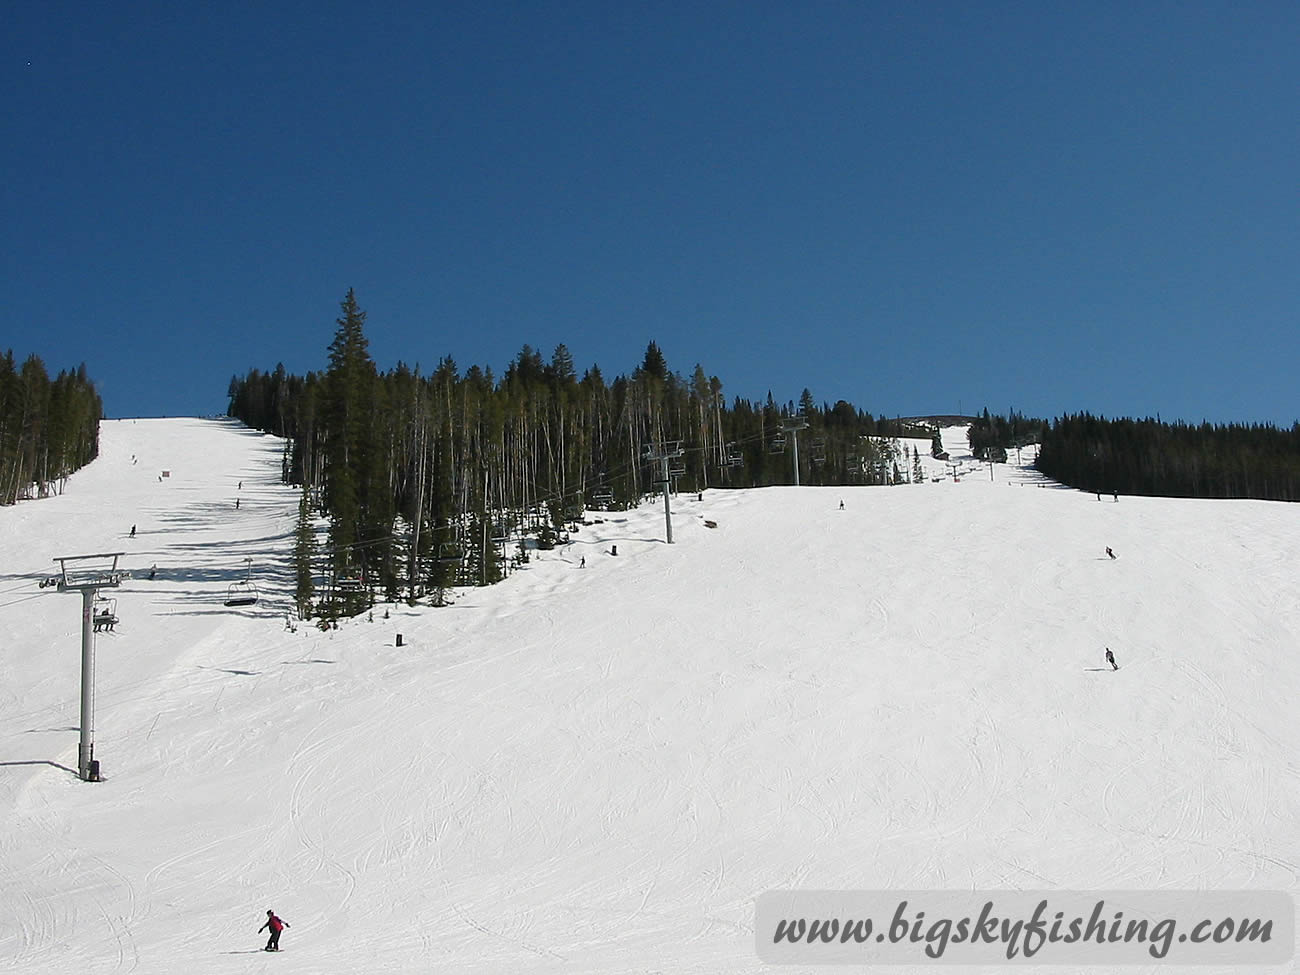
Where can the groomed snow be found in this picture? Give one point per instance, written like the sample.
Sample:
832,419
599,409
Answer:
599,769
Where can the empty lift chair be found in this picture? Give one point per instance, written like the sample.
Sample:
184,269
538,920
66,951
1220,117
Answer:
243,593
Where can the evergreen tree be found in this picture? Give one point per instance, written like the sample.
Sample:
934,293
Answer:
304,549
348,391
654,364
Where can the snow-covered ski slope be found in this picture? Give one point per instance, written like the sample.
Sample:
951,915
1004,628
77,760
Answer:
598,769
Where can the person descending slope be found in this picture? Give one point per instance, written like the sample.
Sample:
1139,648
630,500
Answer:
276,926
1110,659
1110,553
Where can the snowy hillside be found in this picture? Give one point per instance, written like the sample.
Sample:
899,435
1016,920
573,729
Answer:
599,769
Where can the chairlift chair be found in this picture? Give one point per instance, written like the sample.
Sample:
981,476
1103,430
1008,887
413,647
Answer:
778,444
243,593
104,615
449,553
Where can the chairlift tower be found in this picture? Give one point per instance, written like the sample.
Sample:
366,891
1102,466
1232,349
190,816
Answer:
88,583
663,453
792,425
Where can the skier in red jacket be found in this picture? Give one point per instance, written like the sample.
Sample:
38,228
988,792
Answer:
276,926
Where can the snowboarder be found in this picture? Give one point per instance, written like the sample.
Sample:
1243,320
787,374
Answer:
841,505
153,571
132,535
236,504
1110,659
1109,552
276,926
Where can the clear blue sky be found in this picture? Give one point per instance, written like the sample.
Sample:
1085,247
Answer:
917,207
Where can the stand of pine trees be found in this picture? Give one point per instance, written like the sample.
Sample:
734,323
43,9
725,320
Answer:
991,437
1149,457
424,478
48,429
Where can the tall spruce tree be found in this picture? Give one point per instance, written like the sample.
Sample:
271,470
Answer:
348,390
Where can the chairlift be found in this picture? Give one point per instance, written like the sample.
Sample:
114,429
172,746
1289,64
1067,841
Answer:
677,470
777,445
602,499
243,593
450,553
104,615
734,457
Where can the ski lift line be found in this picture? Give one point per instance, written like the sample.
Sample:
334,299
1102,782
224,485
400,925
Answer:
23,599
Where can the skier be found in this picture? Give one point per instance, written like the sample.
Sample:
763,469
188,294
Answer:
132,535
1110,659
236,504
153,571
583,563
841,505
1109,552
276,926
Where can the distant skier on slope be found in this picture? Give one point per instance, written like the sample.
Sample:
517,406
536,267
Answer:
1110,553
1110,659
276,926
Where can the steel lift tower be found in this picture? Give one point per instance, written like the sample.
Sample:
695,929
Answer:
88,582
663,453
792,425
